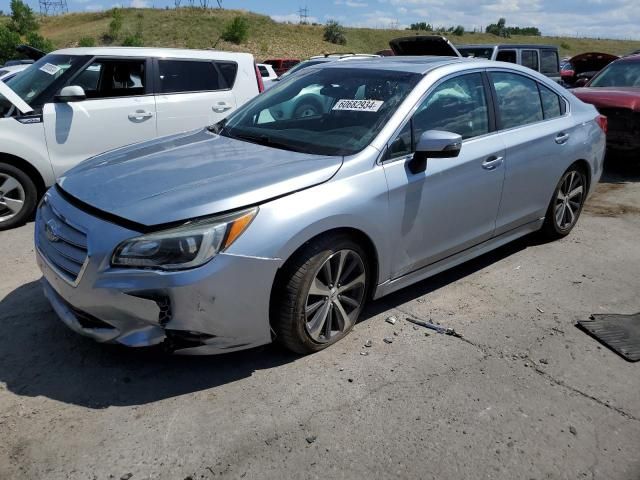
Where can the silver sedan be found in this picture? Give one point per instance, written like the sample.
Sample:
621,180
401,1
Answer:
262,228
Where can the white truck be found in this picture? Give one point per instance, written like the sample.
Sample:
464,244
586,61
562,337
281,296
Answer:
75,103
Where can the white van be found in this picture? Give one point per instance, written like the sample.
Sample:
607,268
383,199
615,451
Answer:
76,103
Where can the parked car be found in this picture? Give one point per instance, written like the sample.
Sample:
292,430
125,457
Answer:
615,92
76,103
267,72
541,58
584,66
7,73
282,65
257,229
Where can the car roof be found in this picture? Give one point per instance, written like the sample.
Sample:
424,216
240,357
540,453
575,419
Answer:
419,64
151,52
505,45
634,57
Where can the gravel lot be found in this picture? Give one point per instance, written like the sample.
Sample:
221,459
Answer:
524,395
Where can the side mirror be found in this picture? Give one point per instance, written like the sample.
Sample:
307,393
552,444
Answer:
435,144
71,93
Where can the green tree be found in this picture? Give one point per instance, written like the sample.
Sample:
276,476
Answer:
458,31
237,31
115,26
9,40
23,20
334,33
36,40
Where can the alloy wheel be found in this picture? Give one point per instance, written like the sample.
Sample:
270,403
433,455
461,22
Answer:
569,200
12,197
336,296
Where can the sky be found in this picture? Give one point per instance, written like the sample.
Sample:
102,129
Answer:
582,18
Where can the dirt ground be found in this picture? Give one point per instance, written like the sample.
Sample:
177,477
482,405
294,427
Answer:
523,395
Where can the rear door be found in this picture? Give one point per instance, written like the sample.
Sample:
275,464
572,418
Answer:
193,93
119,110
536,130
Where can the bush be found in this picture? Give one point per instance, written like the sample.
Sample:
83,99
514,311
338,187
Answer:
458,31
87,42
38,41
9,40
115,26
334,33
23,20
133,41
565,46
237,31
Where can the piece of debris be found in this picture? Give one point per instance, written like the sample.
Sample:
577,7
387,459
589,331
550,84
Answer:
573,430
544,361
540,310
420,300
427,334
311,439
126,476
368,343
350,380
364,354
438,328
395,334
518,267
392,320
388,340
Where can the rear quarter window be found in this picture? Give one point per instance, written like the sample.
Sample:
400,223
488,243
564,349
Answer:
552,104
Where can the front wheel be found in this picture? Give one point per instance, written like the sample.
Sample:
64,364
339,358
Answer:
18,196
323,289
566,204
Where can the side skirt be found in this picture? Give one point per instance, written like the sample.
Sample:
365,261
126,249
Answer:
391,286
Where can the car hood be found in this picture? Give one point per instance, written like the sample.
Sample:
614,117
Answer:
424,45
621,97
591,61
191,175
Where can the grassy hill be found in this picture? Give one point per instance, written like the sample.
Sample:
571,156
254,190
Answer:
197,28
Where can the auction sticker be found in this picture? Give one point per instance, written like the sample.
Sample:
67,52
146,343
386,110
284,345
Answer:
50,69
358,105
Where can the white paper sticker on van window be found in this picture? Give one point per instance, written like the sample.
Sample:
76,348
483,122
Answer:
50,69
358,105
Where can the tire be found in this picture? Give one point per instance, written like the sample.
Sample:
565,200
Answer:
297,320
18,196
563,213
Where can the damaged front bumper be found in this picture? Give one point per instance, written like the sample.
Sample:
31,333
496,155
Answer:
222,306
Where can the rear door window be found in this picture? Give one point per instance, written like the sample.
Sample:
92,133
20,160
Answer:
518,100
182,76
530,59
551,103
548,61
507,56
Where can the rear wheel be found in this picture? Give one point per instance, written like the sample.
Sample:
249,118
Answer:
322,291
566,204
18,195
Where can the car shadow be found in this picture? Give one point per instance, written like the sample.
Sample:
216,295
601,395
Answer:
39,356
621,168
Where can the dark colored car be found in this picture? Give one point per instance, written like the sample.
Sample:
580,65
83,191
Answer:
615,92
281,65
582,68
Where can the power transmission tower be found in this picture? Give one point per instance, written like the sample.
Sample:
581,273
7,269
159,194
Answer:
304,15
53,7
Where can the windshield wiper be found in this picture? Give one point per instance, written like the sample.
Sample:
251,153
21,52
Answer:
266,141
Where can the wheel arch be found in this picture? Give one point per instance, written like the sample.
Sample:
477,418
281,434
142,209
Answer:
27,168
586,168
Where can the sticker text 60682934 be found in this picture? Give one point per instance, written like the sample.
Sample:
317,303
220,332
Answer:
358,105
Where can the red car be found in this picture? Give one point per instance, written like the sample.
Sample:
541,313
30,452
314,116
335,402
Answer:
615,92
578,70
281,65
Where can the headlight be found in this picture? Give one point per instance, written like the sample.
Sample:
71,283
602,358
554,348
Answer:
187,246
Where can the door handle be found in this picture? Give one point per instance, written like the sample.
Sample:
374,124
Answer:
140,115
492,162
221,107
562,138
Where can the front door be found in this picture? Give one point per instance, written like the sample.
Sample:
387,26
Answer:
453,204
119,110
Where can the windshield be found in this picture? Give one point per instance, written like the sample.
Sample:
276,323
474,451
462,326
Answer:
33,81
618,74
329,111
473,52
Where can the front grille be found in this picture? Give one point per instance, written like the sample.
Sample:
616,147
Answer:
62,244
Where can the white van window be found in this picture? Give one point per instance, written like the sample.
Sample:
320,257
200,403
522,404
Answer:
530,59
507,56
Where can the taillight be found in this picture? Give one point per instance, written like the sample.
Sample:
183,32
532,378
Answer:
603,123
259,78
